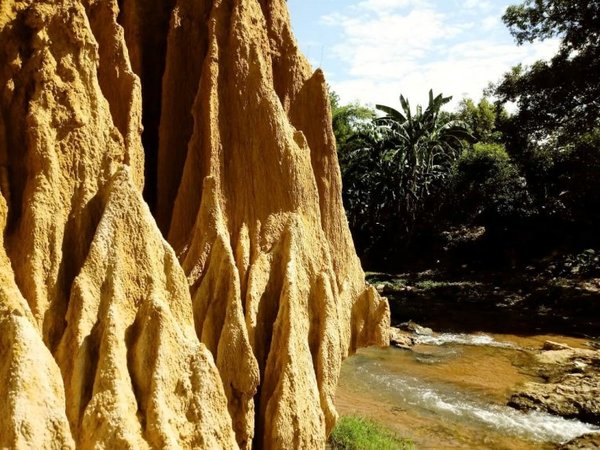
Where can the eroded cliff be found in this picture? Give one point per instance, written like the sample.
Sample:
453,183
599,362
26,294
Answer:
232,333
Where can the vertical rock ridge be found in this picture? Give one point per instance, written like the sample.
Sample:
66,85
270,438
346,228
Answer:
71,148
232,333
120,86
269,211
154,384
33,410
290,398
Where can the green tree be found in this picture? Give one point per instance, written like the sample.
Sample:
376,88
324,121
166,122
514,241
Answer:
483,119
423,146
551,136
487,188
395,169
347,119
561,95
578,183
369,187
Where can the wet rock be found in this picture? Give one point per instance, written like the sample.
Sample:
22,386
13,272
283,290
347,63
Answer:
572,387
401,339
416,328
574,396
551,345
585,442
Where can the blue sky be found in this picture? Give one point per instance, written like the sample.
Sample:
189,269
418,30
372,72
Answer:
373,50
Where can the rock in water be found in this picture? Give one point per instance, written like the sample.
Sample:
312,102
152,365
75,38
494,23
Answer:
551,345
585,442
232,331
401,339
572,387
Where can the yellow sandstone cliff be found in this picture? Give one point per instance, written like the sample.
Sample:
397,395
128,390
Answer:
230,330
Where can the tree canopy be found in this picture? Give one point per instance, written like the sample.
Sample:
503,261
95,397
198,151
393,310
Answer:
394,169
484,119
347,119
561,95
413,174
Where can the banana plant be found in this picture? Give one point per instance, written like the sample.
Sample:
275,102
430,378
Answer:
393,168
427,142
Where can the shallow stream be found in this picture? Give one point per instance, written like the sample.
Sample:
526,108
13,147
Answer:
450,392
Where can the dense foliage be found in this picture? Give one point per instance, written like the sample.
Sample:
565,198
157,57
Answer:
394,168
348,119
483,119
561,95
488,188
531,179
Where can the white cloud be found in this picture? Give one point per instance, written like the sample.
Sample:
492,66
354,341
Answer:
386,6
466,71
374,46
489,23
481,5
408,47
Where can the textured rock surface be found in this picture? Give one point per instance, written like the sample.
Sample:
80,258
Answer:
33,411
401,339
572,387
61,143
129,352
585,442
230,334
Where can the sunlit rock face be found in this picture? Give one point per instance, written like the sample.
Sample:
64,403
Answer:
176,268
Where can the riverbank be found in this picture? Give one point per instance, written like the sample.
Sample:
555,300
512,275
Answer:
471,374
570,386
466,301
452,390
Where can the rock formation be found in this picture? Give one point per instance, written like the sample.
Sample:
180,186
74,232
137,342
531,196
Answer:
232,333
571,386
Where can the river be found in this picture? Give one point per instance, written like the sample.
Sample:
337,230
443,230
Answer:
451,391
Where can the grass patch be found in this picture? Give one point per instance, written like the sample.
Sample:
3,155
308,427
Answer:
435,284
380,277
358,433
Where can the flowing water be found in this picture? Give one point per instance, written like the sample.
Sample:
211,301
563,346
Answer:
451,392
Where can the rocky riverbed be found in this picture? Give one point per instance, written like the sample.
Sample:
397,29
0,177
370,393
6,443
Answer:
562,379
571,388
535,340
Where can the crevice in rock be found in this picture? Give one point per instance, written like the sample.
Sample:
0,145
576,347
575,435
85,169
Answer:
146,24
132,335
187,46
75,248
16,92
88,374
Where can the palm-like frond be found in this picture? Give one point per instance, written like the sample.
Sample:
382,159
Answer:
392,113
393,169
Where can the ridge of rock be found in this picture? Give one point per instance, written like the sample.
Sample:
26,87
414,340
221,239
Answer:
232,333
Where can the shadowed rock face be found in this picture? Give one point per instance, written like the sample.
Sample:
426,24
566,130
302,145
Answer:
230,330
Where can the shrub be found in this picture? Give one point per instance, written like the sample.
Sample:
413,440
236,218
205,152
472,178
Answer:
488,188
578,179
